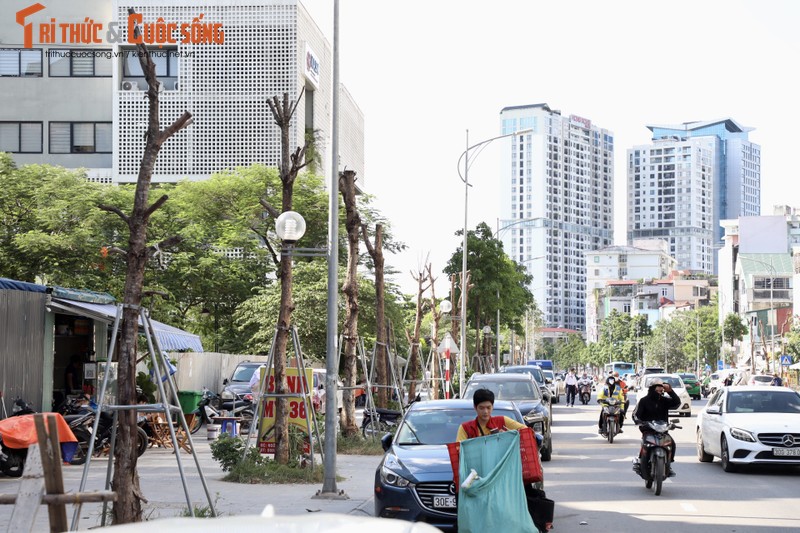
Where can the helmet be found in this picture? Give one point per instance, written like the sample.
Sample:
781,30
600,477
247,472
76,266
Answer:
656,382
610,381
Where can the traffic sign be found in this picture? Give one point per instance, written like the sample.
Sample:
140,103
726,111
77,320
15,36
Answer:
786,360
720,364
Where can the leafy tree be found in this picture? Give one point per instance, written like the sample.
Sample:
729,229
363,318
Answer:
496,281
665,345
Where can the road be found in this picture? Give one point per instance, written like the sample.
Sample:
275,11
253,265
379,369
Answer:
590,480
595,488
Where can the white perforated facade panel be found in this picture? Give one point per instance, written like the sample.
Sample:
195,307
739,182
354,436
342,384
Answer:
226,88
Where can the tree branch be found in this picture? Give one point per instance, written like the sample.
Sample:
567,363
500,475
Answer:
181,122
274,255
158,203
271,211
117,211
166,243
370,248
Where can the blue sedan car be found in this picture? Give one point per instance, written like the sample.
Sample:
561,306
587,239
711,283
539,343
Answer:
414,481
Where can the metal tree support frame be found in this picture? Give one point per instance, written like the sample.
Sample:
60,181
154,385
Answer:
159,360
431,362
263,395
362,359
369,406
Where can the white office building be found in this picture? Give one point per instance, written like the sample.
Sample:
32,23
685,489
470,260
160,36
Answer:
81,103
557,190
692,176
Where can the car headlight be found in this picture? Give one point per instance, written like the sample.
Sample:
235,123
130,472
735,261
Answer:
742,434
390,477
227,395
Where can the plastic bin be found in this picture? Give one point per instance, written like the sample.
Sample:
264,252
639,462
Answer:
212,431
189,400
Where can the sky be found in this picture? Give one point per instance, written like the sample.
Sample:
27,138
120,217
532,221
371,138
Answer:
425,72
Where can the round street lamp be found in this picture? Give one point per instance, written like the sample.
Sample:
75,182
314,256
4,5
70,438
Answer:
290,226
445,306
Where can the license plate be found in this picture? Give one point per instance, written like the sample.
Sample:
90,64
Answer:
786,452
444,501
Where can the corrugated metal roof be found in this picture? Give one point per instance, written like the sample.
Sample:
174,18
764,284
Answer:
170,338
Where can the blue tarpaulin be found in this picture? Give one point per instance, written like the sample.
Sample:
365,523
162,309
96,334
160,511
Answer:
496,500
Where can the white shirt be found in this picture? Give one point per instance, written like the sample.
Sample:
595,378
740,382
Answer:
254,379
571,379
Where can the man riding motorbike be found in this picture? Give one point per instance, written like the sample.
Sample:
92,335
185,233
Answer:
610,390
656,406
624,386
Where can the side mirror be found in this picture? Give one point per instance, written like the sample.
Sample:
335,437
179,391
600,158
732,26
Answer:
225,381
713,410
386,441
675,421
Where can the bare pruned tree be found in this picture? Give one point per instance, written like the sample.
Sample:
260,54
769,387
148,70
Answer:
290,165
128,507
347,186
381,338
423,281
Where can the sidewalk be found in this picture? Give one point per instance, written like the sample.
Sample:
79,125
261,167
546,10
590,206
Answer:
160,482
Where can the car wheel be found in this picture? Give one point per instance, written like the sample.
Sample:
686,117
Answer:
725,457
702,456
547,450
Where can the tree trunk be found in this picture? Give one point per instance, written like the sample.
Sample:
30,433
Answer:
347,185
436,315
290,165
125,481
381,339
413,361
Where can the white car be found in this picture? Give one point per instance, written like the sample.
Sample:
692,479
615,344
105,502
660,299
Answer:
718,377
675,381
552,384
750,425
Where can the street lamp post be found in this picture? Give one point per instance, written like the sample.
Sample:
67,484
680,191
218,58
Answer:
465,179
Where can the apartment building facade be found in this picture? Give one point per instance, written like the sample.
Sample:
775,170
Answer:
557,187
81,103
692,176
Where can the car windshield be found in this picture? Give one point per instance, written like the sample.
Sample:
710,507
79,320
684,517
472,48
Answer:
243,373
548,374
533,371
690,377
763,402
437,426
505,390
672,381
763,379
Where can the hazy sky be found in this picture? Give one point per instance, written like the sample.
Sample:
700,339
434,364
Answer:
423,72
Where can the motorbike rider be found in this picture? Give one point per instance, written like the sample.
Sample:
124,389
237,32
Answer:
656,406
610,390
624,386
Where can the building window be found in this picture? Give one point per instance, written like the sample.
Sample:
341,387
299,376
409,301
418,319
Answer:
166,61
20,63
81,63
21,137
80,137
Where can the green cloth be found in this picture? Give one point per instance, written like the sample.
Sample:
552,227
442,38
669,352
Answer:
496,500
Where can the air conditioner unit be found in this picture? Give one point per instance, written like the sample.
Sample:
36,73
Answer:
130,86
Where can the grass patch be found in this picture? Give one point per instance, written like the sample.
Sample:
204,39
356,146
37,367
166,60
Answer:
358,445
268,471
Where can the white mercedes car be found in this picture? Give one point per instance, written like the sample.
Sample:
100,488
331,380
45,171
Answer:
750,425
675,381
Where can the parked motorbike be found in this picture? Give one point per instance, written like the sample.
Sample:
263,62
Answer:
211,407
652,465
612,416
82,426
21,407
585,392
378,421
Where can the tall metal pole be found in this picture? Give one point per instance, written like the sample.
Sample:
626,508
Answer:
698,342
497,363
329,461
464,276
769,318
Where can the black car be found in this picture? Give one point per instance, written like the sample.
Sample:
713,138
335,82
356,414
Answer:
538,376
414,481
522,390
238,386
